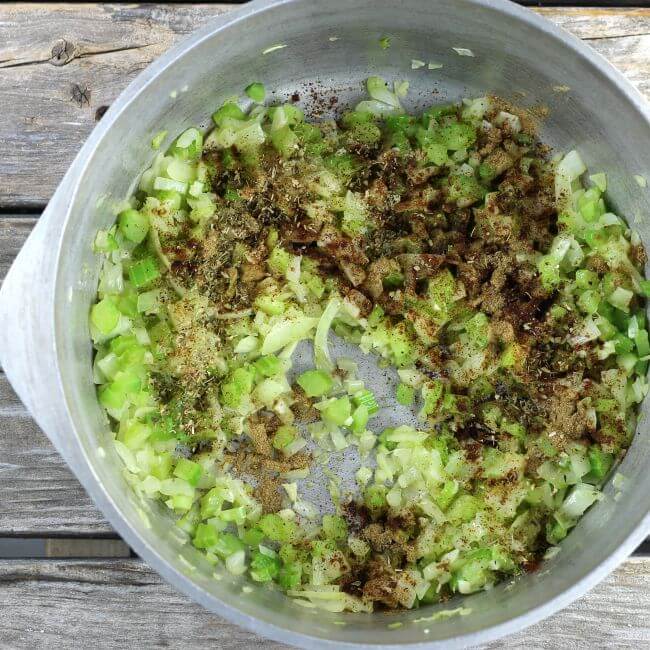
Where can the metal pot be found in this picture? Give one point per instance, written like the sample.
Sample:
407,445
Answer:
44,302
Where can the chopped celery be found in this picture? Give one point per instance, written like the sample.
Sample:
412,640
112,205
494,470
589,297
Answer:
268,365
239,384
264,568
284,140
360,417
315,383
338,411
278,261
321,350
366,398
284,436
188,470
205,536
144,272
334,527
430,240
105,316
600,463
405,394
158,139
290,576
228,111
134,225
256,92
375,496
278,529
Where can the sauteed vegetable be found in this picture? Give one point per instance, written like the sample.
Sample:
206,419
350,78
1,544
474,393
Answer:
451,245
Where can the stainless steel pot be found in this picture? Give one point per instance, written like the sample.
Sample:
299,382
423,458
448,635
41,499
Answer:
44,302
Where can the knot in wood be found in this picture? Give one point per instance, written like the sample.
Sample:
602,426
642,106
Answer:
81,94
62,52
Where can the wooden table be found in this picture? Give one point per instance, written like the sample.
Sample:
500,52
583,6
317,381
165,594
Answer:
66,580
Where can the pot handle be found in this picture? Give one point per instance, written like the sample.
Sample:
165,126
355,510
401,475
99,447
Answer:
27,350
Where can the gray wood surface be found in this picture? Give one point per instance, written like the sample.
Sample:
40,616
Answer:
122,603
60,64
38,493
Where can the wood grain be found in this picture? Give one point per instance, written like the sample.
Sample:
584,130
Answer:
122,603
60,64
38,493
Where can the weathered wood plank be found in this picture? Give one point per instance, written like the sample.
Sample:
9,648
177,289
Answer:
13,233
38,493
41,602
59,64
622,36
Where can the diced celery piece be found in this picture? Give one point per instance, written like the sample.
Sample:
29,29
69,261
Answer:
465,190
405,394
135,434
158,139
267,365
144,272
229,110
189,471
252,537
620,298
586,279
375,496
588,301
278,260
600,462
641,342
278,529
315,383
205,536
270,305
375,316
463,509
240,383
134,225
264,568
284,436
334,527
227,545
285,141
338,411
599,180
290,576
393,280
360,418
436,153
477,329
366,398
457,135
256,92
105,315
431,395
446,494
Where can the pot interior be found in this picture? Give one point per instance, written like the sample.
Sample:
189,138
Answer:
329,49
